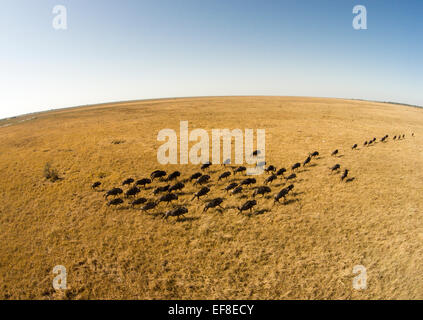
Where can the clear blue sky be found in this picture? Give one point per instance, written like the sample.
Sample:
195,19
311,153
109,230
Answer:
123,50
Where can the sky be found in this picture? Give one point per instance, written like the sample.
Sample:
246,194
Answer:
128,50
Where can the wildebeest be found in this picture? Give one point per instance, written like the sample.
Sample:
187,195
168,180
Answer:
236,190
255,153
280,172
306,161
262,190
354,147
149,205
270,169
205,166
127,181
113,192
203,191
344,175
270,179
158,174
335,167
231,186
96,185
291,177
315,154
115,202
247,206
239,169
296,166
173,176
176,187
370,142
132,192
283,193
143,182
169,197
365,143
248,181
224,175
334,153
202,180
161,189
181,211
213,204
195,176
395,137
138,201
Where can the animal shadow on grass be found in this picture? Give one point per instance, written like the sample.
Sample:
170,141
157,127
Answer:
256,213
350,180
312,165
340,156
297,193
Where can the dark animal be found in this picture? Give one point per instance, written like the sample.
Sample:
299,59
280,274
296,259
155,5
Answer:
307,160
344,175
224,175
370,142
195,176
315,154
157,174
205,166
213,204
132,192
296,166
270,169
239,169
138,201
335,152
168,198
203,191
181,211
202,180
149,206
248,181
161,189
176,187
127,181
281,172
395,137
96,184
113,192
143,182
231,186
236,190
291,177
249,205
354,147
262,190
115,202
283,193
365,143
173,176
256,153
335,167
270,179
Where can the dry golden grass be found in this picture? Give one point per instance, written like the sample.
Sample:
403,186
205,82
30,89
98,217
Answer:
305,249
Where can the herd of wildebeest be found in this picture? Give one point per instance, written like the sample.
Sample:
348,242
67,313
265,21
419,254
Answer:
169,191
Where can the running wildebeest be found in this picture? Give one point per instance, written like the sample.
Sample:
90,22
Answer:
344,175
306,161
150,205
143,182
248,181
231,186
195,176
296,166
256,153
270,169
176,187
335,152
239,169
127,181
281,172
115,202
315,154
158,174
261,190
113,192
132,192
270,179
213,204
202,180
161,189
335,167
203,191
205,166
96,185
138,201
173,176
395,137
247,206
169,197
365,143
283,193
354,147
291,177
181,211
224,175
236,190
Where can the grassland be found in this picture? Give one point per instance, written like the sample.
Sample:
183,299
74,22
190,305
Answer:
305,249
